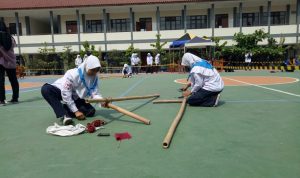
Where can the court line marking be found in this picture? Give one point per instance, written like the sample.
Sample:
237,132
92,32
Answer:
278,83
137,83
267,88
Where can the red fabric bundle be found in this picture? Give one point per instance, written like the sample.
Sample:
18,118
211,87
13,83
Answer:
98,123
122,136
90,128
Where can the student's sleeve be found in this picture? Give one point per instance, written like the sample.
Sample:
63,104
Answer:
66,92
198,83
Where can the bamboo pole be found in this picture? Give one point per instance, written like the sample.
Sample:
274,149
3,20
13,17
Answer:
167,101
121,98
128,113
174,124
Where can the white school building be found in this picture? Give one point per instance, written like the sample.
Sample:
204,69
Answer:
115,24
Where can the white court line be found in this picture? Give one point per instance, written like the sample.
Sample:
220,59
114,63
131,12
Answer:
277,83
267,88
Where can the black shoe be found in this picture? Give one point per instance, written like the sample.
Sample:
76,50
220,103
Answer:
2,103
14,101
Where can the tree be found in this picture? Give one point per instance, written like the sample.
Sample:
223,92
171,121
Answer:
218,47
271,52
129,51
90,49
158,46
116,58
48,58
68,58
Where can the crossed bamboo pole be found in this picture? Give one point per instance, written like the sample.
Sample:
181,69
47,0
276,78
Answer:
108,104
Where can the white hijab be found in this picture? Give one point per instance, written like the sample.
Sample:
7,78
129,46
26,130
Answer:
189,59
91,62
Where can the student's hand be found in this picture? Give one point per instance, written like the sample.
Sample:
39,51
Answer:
186,93
79,115
104,104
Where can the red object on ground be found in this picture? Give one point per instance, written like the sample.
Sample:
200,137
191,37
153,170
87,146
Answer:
90,128
122,136
98,123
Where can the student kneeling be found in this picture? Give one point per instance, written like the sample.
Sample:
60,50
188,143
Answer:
66,95
205,82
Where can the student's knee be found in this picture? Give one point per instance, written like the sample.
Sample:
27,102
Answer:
192,101
44,90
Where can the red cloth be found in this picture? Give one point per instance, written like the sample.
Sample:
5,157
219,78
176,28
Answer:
122,136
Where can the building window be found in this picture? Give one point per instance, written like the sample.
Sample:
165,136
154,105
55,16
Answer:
277,18
120,25
170,23
196,22
145,24
71,27
13,28
250,19
221,21
94,26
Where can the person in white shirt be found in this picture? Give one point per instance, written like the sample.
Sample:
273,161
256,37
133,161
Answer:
149,64
126,71
78,61
84,57
135,60
67,95
205,82
248,59
157,62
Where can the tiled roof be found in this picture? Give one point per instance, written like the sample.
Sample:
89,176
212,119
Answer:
40,4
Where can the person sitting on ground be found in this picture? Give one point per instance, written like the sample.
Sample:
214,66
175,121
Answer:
205,82
78,61
67,95
126,71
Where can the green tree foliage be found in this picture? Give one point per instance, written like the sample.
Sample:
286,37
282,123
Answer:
87,48
47,58
116,58
273,51
68,57
158,49
130,50
158,46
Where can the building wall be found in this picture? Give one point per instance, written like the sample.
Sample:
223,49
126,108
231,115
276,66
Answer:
40,29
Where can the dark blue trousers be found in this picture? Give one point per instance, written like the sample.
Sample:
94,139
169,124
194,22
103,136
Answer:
203,98
52,95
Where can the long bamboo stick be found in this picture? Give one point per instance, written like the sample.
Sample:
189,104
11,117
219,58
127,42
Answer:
128,113
174,124
121,98
167,101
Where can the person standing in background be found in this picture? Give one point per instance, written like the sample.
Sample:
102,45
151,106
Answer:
248,57
149,64
157,62
78,61
7,64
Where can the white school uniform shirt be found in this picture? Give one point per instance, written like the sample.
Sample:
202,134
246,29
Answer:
126,68
78,61
157,59
149,60
248,57
201,77
71,86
